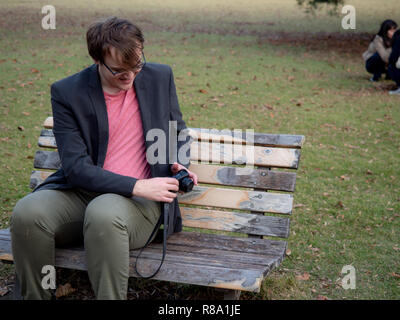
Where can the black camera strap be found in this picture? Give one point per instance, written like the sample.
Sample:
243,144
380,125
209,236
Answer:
166,222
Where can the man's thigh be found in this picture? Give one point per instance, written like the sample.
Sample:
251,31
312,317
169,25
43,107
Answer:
137,215
59,213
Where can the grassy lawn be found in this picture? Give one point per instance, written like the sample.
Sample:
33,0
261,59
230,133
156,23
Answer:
239,65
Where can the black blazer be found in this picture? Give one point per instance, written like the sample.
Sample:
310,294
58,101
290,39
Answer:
81,131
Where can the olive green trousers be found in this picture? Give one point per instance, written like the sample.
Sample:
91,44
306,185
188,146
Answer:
109,225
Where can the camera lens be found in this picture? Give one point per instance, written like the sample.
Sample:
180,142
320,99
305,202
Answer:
186,184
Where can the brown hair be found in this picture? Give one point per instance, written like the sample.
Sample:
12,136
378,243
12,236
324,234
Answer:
122,34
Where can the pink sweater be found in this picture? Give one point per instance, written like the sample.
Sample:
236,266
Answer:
126,151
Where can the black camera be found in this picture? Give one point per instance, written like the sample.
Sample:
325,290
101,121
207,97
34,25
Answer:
185,183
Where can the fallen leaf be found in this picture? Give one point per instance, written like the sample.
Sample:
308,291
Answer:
21,128
64,290
288,252
320,297
304,277
3,291
344,177
395,275
339,205
203,91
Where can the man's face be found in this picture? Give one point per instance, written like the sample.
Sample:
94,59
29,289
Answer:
124,78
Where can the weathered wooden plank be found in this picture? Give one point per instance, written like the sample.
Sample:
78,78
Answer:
201,241
46,160
182,264
37,177
236,199
247,137
245,177
228,243
239,199
206,152
235,221
222,175
48,123
47,139
261,139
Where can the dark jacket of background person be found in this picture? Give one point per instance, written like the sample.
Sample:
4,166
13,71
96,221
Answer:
377,45
394,56
81,131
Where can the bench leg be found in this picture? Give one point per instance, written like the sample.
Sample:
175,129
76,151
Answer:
232,294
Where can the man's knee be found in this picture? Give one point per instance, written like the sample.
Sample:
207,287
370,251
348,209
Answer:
104,213
27,211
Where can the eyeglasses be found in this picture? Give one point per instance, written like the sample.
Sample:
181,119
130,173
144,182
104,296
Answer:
136,69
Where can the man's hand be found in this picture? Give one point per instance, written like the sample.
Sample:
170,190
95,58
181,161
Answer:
157,189
176,167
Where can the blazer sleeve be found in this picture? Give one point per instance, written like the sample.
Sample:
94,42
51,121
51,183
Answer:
184,140
77,164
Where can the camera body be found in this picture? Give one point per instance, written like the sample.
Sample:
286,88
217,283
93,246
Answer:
185,183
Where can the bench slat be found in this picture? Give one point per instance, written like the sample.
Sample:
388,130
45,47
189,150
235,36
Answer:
222,153
223,175
260,139
230,198
265,157
245,177
235,222
201,260
239,199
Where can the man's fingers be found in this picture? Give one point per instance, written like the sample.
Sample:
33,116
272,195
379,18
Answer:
171,181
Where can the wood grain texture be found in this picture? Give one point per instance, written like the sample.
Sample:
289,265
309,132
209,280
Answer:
226,153
37,177
245,177
261,139
201,259
46,160
239,199
243,137
235,222
206,152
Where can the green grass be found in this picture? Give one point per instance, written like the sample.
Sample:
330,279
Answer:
347,192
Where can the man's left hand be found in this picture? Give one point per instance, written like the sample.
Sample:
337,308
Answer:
176,167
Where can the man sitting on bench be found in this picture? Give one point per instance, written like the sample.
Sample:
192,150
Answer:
107,194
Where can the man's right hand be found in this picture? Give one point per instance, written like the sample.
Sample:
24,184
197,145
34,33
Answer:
157,189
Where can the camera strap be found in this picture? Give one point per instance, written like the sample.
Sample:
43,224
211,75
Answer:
166,222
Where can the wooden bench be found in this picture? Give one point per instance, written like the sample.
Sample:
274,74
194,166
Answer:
236,259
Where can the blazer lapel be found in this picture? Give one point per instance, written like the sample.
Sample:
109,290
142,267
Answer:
99,105
141,82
